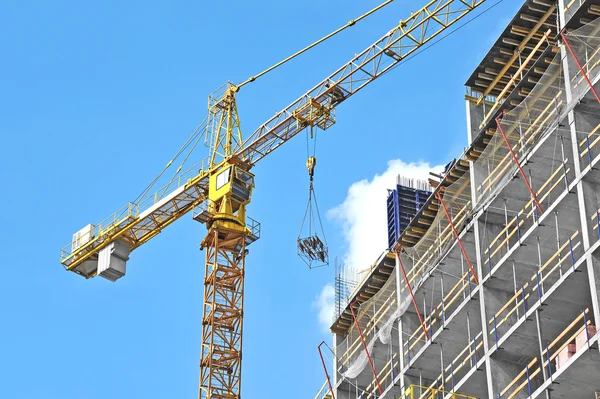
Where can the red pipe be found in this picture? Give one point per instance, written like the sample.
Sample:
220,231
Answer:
365,346
414,301
439,196
325,368
579,66
514,157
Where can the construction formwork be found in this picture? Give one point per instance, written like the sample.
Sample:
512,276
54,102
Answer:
495,291
403,204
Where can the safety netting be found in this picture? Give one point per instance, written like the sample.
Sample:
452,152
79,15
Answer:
521,129
375,322
454,209
585,45
537,115
542,114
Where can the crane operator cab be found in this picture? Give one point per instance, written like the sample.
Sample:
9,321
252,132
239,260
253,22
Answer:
230,190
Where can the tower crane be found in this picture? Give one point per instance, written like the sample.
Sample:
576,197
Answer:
220,188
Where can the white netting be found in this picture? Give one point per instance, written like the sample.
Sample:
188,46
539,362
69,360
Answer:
376,319
535,117
540,114
585,43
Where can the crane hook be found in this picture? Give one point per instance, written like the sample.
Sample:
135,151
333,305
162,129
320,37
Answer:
311,162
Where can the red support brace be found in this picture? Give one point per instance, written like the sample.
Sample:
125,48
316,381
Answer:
579,66
414,301
439,196
516,161
325,368
365,346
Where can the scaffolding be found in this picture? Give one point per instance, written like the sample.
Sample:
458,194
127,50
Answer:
374,351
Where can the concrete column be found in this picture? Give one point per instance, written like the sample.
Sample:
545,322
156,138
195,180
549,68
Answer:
474,118
401,352
572,122
504,373
495,299
334,373
399,284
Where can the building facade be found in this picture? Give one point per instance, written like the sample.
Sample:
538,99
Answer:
493,289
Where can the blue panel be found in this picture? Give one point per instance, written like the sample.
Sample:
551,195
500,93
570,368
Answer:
403,204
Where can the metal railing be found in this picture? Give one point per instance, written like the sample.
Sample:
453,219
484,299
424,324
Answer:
133,209
421,392
323,392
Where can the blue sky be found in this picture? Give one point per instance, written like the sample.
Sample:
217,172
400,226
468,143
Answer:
96,97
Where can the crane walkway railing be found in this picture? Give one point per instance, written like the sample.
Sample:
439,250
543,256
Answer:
136,222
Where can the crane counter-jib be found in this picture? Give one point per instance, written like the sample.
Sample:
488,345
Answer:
134,225
315,108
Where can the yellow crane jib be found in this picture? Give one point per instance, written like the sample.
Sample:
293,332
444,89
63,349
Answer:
137,223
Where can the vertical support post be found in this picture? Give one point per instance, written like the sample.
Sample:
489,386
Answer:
362,339
516,161
400,327
495,330
562,35
490,260
412,296
325,368
587,333
515,288
571,250
462,248
469,340
598,223
452,373
565,173
549,364
589,151
534,216
540,344
443,304
506,233
528,380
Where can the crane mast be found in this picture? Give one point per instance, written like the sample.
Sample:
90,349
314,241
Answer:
230,188
219,190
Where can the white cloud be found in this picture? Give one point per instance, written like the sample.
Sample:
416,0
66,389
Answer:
363,216
325,303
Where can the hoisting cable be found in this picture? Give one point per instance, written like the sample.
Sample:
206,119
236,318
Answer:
195,136
305,49
165,189
311,248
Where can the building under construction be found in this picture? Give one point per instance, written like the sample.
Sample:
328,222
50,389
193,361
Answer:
491,290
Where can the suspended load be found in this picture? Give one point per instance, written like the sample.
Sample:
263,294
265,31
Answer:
312,245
